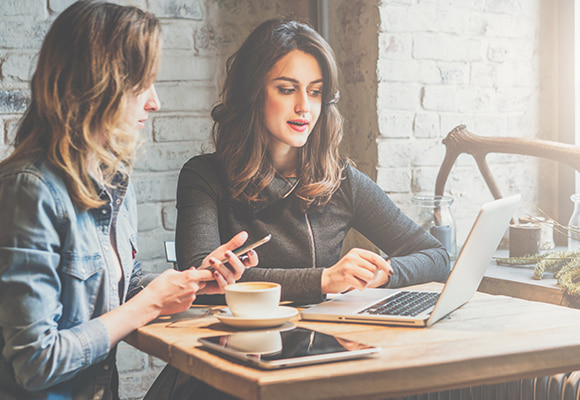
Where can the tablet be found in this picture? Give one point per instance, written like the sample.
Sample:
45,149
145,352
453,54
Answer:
273,349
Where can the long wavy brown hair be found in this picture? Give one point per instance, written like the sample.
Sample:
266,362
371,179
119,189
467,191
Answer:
239,132
94,57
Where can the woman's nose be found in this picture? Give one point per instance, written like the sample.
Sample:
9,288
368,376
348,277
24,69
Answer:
152,103
302,103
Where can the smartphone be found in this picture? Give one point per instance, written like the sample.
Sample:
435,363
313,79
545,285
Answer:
243,250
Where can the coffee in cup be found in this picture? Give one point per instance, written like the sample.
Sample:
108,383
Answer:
253,299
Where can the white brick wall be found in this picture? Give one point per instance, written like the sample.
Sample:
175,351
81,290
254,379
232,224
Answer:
445,63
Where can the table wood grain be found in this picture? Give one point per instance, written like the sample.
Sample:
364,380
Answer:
490,339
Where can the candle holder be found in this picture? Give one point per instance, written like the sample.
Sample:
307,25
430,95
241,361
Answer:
524,239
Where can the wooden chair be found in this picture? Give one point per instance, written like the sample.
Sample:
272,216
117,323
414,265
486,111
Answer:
460,140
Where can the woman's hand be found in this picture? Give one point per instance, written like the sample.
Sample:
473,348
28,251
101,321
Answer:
224,275
174,291
169,293
358,269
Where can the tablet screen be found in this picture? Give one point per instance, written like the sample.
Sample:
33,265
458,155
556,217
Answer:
284,348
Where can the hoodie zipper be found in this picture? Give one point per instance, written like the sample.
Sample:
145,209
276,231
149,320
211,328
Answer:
311,237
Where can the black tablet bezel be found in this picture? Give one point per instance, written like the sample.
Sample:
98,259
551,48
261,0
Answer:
266,361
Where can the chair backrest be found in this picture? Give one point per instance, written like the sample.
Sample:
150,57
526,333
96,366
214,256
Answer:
460,140
170,254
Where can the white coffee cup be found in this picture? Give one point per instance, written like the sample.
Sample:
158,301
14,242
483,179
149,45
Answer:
253,299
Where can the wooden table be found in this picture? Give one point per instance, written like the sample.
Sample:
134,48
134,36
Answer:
518,282
489,340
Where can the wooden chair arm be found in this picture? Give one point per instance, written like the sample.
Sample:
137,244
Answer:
460,140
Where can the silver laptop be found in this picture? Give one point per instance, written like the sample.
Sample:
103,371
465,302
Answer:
376,305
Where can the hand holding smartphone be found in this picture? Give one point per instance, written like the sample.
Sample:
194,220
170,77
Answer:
243,250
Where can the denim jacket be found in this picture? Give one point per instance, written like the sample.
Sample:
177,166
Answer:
55,280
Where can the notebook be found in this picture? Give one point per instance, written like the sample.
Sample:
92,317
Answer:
473,260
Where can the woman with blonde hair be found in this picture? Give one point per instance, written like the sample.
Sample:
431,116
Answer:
70,284
277,170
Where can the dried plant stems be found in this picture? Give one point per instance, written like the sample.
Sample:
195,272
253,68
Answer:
564,264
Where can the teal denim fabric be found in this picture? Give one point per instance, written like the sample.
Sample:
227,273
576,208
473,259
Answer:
55,280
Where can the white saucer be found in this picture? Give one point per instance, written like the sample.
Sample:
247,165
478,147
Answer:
282,315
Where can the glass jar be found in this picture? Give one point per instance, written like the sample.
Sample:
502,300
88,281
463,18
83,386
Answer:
433,214
574,225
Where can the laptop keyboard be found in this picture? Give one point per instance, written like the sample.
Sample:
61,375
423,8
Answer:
403,303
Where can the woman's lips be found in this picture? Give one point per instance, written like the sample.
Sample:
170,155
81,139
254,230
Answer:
298,125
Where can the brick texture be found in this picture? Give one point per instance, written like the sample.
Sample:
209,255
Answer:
445,63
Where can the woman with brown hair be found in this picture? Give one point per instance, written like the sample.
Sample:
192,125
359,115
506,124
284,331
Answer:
277,170
70,284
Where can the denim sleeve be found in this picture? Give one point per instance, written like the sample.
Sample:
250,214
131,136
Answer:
139,279
42,349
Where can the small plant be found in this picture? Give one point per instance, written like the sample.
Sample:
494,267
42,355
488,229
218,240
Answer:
565,265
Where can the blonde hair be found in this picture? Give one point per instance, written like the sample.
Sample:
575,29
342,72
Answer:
239,130
94,57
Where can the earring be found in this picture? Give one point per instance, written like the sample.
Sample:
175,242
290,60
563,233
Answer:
334,99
